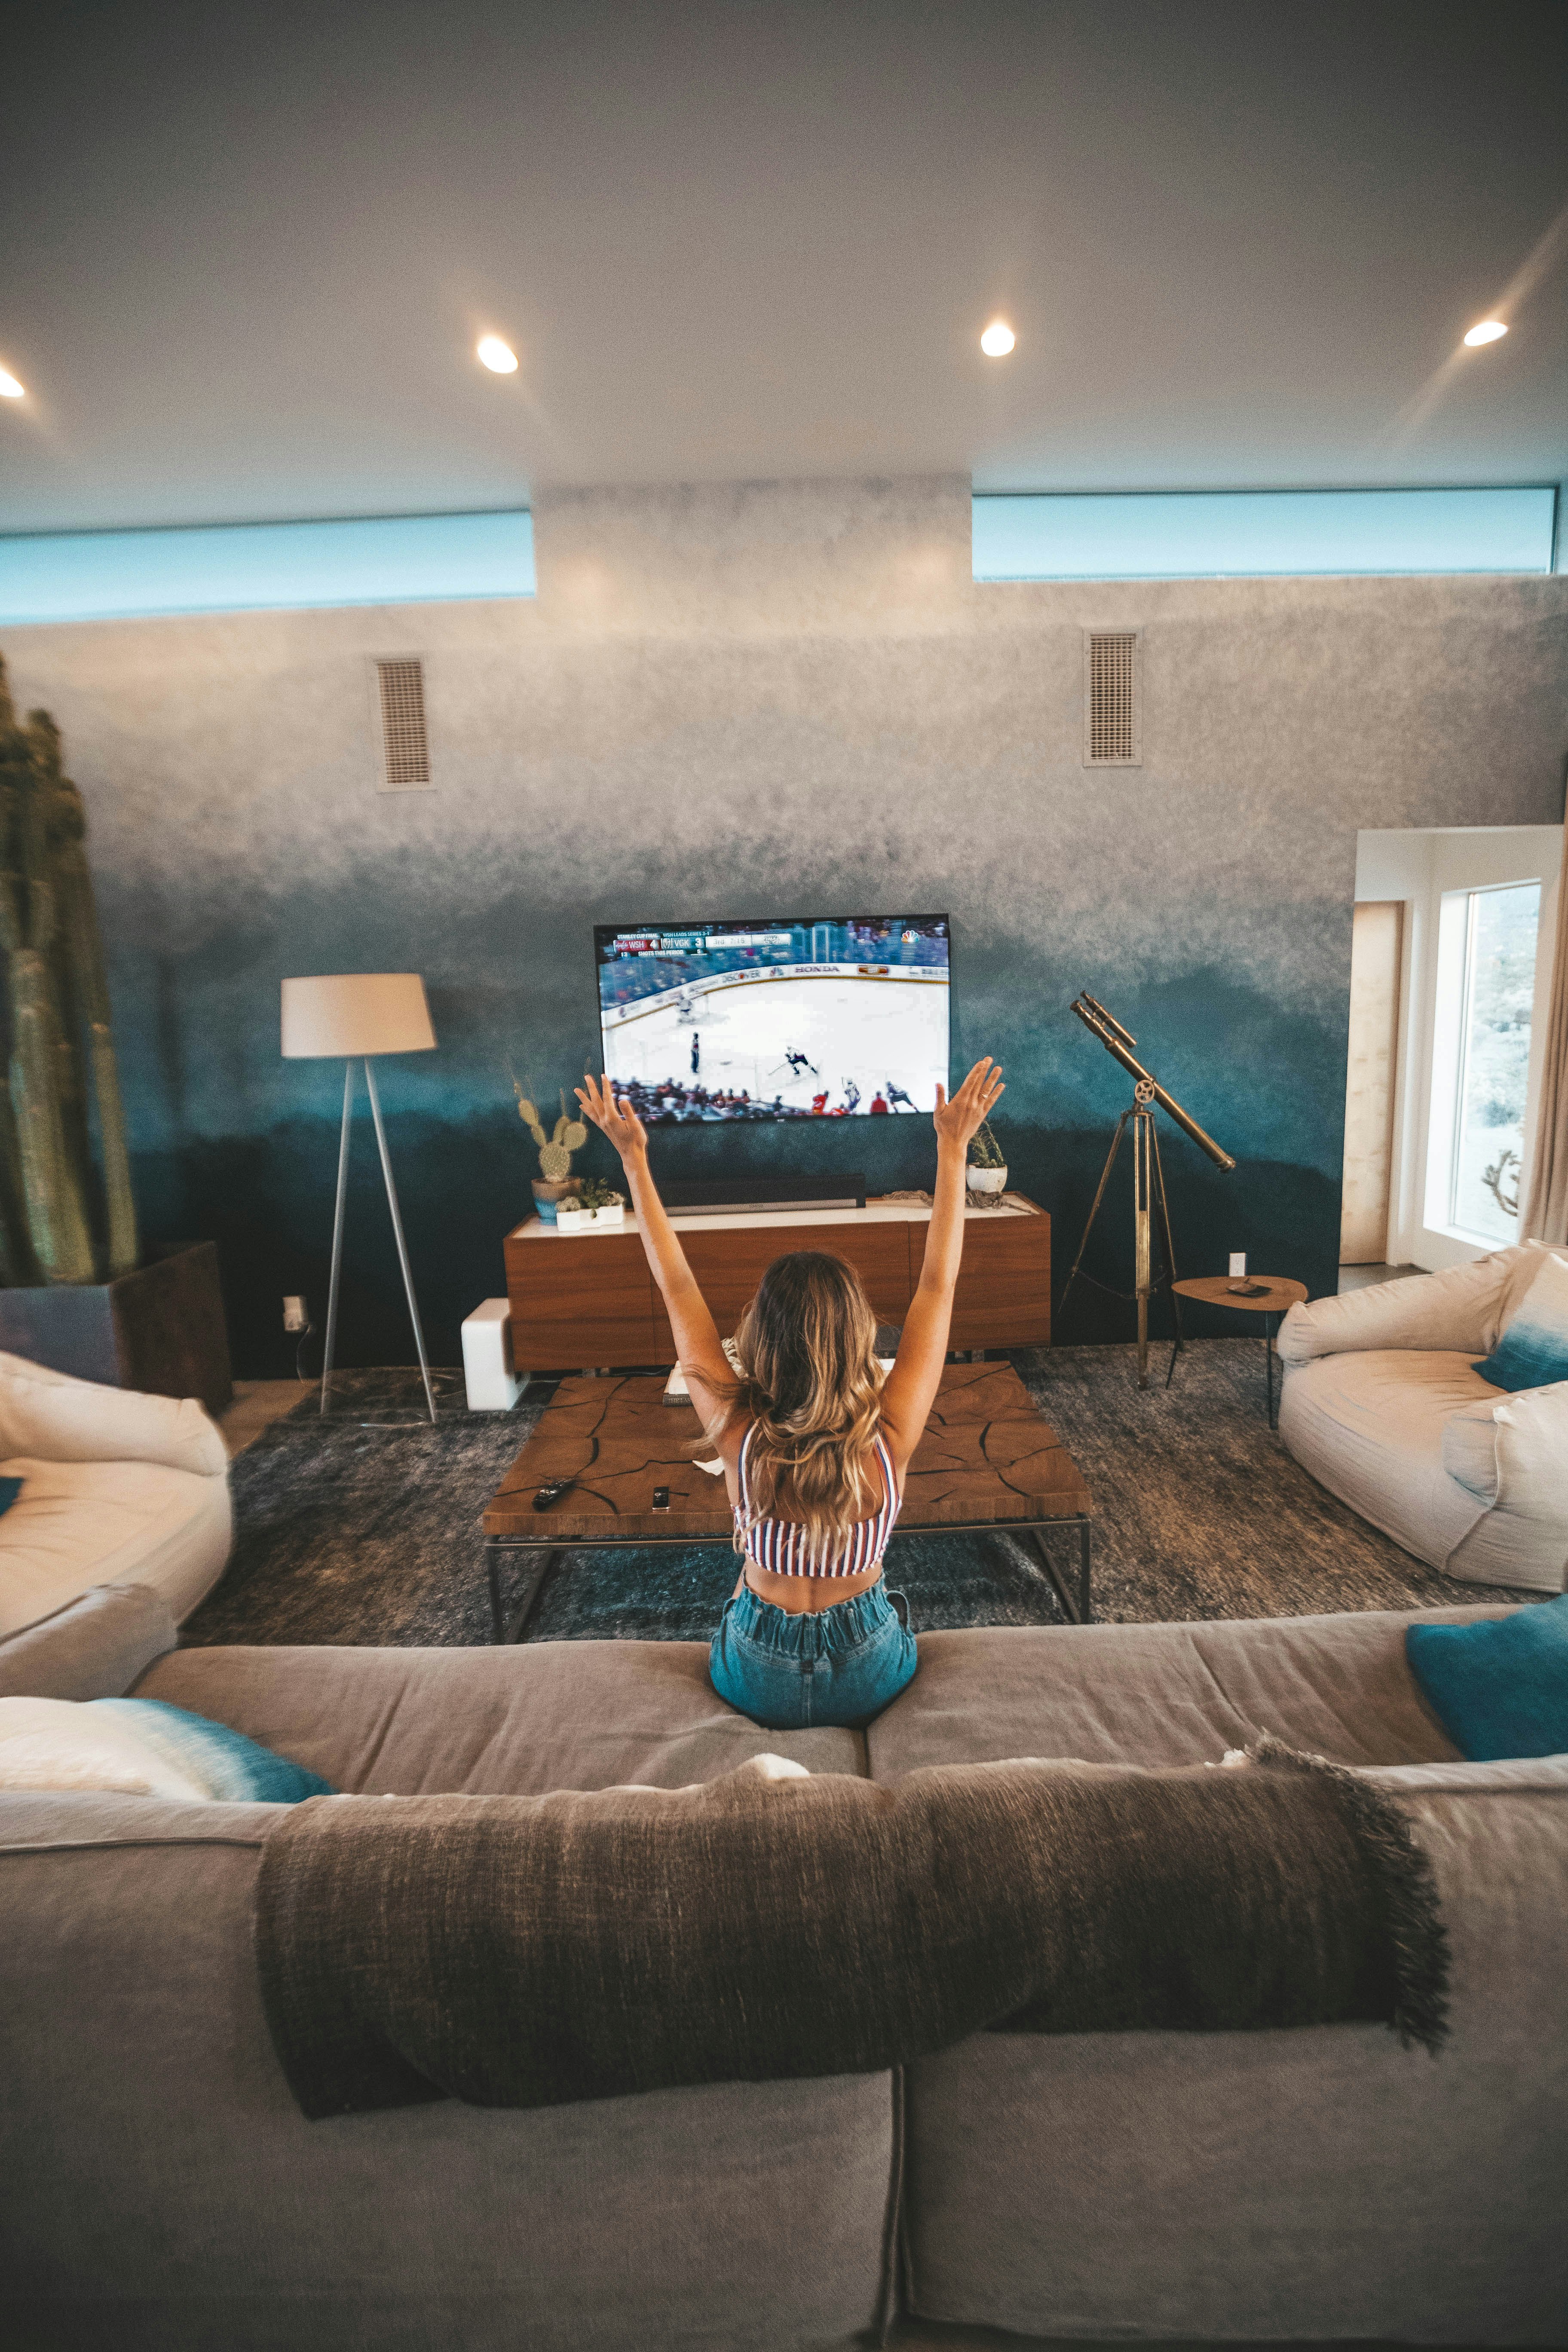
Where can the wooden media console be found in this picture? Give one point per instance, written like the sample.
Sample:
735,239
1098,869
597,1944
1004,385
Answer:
580,1300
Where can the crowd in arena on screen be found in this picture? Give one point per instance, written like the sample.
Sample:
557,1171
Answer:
668,1100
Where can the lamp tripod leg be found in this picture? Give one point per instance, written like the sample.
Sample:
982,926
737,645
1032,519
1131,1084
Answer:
337,1237
397,1230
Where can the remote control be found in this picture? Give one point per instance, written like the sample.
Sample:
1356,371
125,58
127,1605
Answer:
552,1493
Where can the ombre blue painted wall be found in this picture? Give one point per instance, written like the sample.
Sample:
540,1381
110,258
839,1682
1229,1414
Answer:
748,701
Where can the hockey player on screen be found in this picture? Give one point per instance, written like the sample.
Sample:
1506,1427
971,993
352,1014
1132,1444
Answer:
696,1051
896,1095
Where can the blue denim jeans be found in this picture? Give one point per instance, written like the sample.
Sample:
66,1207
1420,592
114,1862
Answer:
788,1671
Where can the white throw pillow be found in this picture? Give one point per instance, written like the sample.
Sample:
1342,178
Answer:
57,1743
1533,1350
143,1748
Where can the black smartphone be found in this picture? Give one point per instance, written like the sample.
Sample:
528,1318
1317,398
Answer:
661,1498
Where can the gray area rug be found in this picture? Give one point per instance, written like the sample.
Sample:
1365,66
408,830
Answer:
365,1527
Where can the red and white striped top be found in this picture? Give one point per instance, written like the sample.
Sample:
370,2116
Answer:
779,1545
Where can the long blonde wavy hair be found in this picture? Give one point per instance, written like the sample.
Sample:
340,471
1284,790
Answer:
811,1384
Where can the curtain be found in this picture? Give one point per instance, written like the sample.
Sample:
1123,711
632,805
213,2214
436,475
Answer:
1544,1215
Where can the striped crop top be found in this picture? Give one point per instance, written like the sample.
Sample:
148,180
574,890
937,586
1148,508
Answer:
779,1545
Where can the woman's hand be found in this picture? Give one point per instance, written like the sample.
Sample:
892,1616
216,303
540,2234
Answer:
615,1119
958,1121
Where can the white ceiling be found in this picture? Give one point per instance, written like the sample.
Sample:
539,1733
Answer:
245,251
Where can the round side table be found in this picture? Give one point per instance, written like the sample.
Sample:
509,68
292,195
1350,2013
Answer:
1274,1295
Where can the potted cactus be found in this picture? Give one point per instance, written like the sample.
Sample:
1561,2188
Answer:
554,1180
77,1292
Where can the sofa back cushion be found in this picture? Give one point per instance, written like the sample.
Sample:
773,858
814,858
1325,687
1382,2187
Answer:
94,1647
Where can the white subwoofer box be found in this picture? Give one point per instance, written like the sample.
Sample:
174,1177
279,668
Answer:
492,1385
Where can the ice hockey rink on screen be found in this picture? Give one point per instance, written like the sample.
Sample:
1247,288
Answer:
832,1039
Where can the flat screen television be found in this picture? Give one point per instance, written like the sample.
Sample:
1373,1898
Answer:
815,1016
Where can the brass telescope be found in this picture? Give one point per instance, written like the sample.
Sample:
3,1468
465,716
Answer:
1119,1041
1149,1202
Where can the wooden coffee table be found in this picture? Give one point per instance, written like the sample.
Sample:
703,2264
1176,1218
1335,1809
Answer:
1277,1292
988,1459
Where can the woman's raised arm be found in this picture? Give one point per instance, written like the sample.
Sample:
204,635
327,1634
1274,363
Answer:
702,1358
909,1390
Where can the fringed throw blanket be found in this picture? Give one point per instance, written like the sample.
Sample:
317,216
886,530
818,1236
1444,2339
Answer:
520,1951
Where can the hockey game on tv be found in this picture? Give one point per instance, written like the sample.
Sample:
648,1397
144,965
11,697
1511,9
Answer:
824,1017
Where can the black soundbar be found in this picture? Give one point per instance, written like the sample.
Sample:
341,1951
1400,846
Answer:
736,1194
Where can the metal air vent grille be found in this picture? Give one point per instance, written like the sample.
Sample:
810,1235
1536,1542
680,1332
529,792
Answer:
1112,720
403,748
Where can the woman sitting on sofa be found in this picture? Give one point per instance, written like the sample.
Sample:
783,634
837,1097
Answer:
814,1441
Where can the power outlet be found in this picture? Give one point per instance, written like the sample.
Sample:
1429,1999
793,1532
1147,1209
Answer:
294,1316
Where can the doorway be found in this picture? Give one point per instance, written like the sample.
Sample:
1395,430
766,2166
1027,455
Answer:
1377,943
1438,1135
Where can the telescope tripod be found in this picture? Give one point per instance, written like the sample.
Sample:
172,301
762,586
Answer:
1150,1218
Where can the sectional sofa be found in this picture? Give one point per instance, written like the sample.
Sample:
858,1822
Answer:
159,2188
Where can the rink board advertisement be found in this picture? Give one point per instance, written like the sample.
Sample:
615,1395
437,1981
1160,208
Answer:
817,1017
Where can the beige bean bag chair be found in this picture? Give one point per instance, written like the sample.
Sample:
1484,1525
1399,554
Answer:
117,1488
1381,1405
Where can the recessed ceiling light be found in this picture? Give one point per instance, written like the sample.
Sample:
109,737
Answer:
1490,330
998,339
499,357
9,387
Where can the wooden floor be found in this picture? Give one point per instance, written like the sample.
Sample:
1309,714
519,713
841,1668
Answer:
257,1404
1362,1278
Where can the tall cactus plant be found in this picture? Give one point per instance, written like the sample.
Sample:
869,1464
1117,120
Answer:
58,1003
555,1149
85,993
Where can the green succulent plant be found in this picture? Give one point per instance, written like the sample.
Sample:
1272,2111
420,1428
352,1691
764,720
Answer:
597,1194
567,1136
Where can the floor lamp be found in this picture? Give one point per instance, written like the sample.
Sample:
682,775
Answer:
355,1016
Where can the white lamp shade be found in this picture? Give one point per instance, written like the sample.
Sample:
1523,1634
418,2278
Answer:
348,1014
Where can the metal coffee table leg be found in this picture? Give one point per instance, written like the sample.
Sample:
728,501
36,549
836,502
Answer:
546,1556
1078,1609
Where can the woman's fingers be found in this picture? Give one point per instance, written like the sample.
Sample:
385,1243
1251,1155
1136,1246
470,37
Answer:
599,1102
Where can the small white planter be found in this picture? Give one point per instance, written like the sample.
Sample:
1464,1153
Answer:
987,1180
572,1220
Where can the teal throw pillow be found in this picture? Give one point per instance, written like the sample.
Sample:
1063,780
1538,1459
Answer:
9,1490
1533,1350
1499,1686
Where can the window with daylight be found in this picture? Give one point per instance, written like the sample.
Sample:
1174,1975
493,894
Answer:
1486,988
